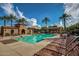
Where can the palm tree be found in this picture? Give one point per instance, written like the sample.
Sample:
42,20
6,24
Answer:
11,18
5,19
45,20
21,21
65,17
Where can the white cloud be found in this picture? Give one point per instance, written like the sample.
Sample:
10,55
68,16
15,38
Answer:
19,13
32,22
72,9
8,9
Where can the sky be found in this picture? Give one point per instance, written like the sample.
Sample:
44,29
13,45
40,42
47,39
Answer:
35,12
39,11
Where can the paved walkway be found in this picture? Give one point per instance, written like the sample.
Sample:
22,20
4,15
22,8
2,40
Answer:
21,48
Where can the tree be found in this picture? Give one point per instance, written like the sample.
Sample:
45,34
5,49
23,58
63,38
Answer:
65,17
11,18
73,27
45,20
21,21
5,19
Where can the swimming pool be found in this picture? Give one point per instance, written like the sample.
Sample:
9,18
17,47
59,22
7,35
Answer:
35,38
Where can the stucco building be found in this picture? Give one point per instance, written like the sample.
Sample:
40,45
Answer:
51,29
14,30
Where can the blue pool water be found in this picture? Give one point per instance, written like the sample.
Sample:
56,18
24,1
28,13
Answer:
35,38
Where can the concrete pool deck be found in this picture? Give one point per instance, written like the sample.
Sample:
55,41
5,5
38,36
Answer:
21,49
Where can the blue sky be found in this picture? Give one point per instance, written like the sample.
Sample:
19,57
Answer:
39,11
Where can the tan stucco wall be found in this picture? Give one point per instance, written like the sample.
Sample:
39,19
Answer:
9,31
21,28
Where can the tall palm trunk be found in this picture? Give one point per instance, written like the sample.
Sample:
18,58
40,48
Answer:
4,22
11,23
11,28
46,24
65,25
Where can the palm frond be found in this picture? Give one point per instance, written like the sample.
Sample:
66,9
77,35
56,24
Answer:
21,21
